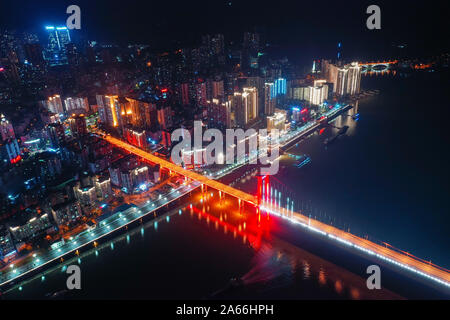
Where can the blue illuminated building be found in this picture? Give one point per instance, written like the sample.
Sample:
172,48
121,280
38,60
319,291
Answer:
279,87
58,38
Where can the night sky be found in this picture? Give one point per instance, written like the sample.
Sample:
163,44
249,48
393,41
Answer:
301,28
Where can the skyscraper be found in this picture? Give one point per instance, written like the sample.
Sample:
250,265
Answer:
76,103
200,91
269,98
280,86
245,106
6,129
58,38
77,125
346,79
109,110
54,104
184,87
353,78
341,81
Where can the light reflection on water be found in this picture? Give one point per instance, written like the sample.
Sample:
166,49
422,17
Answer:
278,265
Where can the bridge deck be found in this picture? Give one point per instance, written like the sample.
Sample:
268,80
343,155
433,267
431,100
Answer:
186,173
374,248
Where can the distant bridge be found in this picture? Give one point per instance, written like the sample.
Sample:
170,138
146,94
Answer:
380,66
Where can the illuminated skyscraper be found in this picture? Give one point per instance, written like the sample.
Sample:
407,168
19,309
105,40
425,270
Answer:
53,104
318,94
277,121
6,129
77,125
348,79
10,151
56,135
200,92
76,103
109,110
245,106
217,89
280,86
269,98
184,88
219,114
341,81
353,78
58,38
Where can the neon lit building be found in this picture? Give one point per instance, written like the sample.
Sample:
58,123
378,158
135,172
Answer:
53,104
245,105
6,129
269,98
10,151
109,110
58,38
76,103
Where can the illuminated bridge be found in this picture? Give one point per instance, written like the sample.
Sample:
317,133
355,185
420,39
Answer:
381,66
181,171
400,259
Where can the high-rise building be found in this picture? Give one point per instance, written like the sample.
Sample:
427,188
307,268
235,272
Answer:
109,111
341,81
280,86
136,137
67,212
141,114
353,78
217,89
6,129
184,88
103,187
53,104
77,123
251,41
73,56
300,92
10,151
87,196
28,228
76,103
346,80
245,105
200,92
56,135
58,38
217,44
7,247
318,94
277,121
219,114
164,114
269,98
